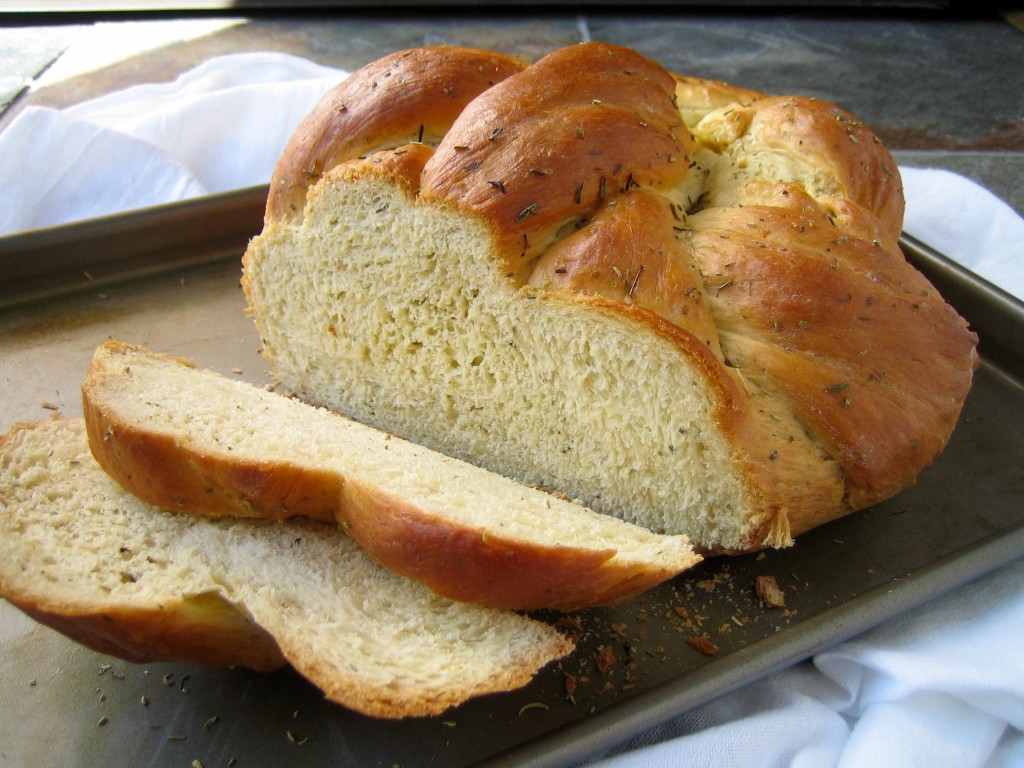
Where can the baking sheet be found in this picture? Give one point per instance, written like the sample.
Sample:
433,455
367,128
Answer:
157,279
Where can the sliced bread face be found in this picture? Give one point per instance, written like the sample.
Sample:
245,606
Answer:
80,554
405,324
191,439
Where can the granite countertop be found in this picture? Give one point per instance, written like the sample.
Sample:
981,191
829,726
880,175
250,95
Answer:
940,90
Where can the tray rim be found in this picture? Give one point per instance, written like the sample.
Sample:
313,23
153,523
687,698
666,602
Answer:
44,263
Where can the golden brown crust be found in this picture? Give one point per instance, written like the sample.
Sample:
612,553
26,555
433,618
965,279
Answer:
202,630
411,95
485,568
630,252
802,316
831,138
160,470
608,125
810,142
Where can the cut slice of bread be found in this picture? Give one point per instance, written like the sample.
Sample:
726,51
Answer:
124,577
185,438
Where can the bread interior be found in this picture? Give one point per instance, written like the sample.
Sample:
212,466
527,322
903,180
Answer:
396,315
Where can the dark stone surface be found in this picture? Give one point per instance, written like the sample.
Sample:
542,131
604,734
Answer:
921,84
940,90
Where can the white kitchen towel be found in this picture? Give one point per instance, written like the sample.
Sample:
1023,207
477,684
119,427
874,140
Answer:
941,686
967,223
218,127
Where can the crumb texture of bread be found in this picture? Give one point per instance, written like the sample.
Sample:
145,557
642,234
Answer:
682,302
127,578
190,439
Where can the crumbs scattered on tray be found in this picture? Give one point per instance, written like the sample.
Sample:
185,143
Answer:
116,680
767,589
680,624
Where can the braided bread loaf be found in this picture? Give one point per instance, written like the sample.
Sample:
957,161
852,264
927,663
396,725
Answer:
679,301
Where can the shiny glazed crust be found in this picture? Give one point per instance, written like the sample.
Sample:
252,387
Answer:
411,95
756,233
198,630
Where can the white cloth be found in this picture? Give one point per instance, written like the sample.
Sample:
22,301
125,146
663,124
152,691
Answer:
941,686
966,222
218,127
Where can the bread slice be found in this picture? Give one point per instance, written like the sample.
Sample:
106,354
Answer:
681,302
185,438
124,577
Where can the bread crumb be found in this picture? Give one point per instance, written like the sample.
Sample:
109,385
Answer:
767,588
605,658
702,644
570,685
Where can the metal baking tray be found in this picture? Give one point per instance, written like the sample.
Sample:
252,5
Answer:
168,278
